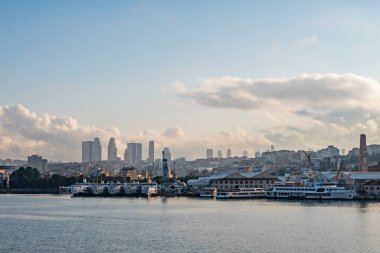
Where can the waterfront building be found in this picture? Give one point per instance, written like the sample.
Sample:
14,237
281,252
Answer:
4,179
36,161
363,156
112,150
209,153
230,181
151,152
133,152
371,188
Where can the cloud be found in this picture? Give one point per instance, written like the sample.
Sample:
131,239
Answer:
175,132
24,132
310,110
308,41
315,92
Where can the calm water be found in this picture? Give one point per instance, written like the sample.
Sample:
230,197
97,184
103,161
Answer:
47,223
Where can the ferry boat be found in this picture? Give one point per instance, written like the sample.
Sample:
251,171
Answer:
208,192
113,189
241,193
148,189
97,189
131,189
311,191
80,189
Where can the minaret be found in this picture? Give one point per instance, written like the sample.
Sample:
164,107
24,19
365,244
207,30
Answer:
363,157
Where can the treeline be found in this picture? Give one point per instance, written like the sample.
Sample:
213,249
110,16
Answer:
30,178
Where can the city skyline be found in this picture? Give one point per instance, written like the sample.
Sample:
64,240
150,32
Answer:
245,77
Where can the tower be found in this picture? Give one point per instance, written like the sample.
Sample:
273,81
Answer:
165,170
210,153
134,152
112,150
96,150
168,154
363,157
151,152
86,151
229,153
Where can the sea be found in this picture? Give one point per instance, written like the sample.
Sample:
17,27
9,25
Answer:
60,223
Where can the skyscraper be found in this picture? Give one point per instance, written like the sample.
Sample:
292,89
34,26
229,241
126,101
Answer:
363,156
210,153
229,153
245,153
96,150
91,151
151,152
220,155
168,154
86,151
112,150
133,152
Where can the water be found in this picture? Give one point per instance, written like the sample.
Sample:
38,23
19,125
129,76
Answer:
51,223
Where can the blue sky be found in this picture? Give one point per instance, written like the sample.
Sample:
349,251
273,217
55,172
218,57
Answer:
115,63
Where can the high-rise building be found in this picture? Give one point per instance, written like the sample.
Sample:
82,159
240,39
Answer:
86,151
151,152
36,161
257,154
210,153
245,153
133,153
220,154
91,151
168,154
96,150
112,150
271,148
229,153
363,156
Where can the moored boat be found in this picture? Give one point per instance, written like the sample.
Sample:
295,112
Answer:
311,191
208,192
241,193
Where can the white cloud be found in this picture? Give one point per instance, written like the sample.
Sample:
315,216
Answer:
308,40
324,108
24,133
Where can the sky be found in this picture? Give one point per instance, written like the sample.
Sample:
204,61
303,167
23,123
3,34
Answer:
190,75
